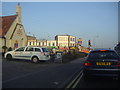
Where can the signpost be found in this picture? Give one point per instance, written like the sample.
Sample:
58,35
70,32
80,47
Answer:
80,41
58,57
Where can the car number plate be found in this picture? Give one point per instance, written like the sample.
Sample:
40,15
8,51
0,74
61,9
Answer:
103,63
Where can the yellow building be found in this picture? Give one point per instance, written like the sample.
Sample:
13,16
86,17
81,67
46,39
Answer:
12,32
51,42
32,41
65,40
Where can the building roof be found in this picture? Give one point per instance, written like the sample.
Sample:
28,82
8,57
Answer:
31,37
64,35
6,23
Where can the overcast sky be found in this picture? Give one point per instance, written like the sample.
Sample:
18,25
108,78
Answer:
95,21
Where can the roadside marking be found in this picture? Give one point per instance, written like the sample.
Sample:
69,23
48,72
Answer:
66,81
77,81
71,83
56,83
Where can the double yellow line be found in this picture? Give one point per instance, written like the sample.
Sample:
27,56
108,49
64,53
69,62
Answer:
75,81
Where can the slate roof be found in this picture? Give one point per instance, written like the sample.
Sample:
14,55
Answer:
6,22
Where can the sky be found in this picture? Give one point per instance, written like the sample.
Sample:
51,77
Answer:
95,21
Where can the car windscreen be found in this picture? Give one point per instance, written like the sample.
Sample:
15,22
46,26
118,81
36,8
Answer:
44,50
103,55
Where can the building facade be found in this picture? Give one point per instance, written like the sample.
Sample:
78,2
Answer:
72,41
31,40
51,43
65,41
41,43
12,32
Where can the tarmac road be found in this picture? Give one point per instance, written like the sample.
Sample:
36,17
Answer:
23,74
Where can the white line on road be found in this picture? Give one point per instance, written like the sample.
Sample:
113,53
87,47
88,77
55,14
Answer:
74,80
69,78
77,81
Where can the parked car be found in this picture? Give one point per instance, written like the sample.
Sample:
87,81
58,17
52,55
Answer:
29,53
102,63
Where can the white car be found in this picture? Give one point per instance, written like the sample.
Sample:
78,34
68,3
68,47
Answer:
29,53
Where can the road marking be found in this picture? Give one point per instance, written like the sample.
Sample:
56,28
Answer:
67,80
56,83
77,81
69,85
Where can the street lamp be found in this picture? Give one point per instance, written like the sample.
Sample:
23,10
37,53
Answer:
49,38
95,41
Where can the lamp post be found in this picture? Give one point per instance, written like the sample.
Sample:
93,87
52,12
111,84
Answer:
4,44
95,41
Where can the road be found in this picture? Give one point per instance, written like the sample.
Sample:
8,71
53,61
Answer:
80,82
24,74
98,83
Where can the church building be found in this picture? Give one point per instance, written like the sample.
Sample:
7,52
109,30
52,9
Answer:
12,32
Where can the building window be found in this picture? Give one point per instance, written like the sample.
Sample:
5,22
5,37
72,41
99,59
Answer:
49,44
16,44
53,44
73,39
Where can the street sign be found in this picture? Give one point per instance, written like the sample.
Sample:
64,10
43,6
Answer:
79,41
